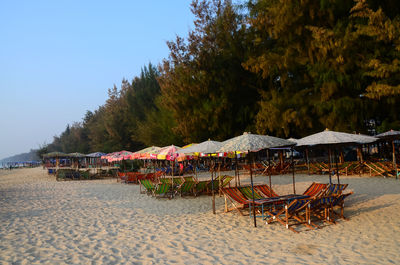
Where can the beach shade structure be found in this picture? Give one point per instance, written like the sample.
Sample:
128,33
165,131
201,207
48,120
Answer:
143,153
54,155
206,148
250,143
391,136
184,156
331,139
168,153
96,154
76,158
76,155
95,158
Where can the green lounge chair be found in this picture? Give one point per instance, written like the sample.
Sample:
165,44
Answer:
163,190
148,185
200,187
188,186
247,192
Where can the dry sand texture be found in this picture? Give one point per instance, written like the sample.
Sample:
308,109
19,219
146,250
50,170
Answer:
105,222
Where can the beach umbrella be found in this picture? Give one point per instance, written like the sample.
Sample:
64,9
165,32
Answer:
248,142
96,154
168,152
95,157
143,152
391,136
332,138
207,147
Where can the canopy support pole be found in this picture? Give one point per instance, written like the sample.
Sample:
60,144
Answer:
329,166
252,190
337,167
394,159
294,183
269,173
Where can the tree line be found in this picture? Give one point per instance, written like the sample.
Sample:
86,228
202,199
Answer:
284,68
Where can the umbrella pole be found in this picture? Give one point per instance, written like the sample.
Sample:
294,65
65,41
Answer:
294,183
195,169
308,162
212,187
269,173
394,158
252,191
329,166
337,167
236,170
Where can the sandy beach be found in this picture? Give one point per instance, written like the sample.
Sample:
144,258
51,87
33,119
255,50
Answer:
105,222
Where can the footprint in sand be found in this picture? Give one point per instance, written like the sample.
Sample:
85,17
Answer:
305,249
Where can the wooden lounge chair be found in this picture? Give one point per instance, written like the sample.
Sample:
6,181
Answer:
315,189
163,190
200,187
334,189
247,192
338,201
265,190
226,181
148,186
187,186
238,201
292,212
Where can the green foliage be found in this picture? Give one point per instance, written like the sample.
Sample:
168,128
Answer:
287,68
203,82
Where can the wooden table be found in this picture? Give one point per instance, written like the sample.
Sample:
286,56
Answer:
273,201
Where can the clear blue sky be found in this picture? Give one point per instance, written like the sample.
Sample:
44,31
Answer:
58,58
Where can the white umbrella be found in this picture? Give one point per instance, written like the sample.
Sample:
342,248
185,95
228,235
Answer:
206,147
248,142
328,137
331,138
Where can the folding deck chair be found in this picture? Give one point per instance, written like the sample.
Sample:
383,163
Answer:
236,198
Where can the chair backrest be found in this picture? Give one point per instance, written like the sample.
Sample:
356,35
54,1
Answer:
187,186
226,181
248,193
298,205
335,189
214,183
162,188
189,178
148,184
266,190
315,189
201,185
235,194
338,200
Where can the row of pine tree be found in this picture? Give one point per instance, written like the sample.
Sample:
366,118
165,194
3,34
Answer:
284,68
